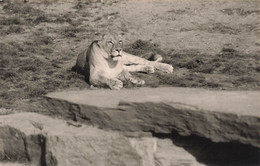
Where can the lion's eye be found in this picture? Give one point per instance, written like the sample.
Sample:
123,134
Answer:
120,42
110,42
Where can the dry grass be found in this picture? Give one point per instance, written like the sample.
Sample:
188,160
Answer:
28,69
227,70
26,72
35,65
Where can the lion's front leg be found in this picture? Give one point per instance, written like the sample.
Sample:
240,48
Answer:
114,84
139,68
164,67
126,76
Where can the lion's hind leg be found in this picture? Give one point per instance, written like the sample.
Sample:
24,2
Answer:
155,57
129,59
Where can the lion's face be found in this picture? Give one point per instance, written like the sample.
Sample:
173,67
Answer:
113,46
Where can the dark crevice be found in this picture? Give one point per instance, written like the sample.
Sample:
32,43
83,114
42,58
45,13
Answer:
47,158
215,154
26,148
43,150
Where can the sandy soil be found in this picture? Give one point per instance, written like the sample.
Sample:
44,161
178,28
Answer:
206,26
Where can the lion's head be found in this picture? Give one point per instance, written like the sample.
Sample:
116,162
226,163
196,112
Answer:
112,45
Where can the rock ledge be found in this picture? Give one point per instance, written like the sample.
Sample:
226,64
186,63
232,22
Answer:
221,116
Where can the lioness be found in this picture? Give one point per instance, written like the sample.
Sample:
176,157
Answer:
105,63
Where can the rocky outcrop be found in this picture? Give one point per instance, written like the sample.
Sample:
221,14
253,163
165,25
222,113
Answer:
137,127
34,139
221,116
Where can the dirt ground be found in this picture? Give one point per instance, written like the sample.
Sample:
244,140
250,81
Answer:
211,44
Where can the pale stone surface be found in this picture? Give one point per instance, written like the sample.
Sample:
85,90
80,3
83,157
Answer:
222,116
237,102
71,145
165,113
62,143
163,156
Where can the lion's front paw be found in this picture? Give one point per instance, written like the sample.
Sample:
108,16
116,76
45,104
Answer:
164,67
115,84
140,82
149,69
137,81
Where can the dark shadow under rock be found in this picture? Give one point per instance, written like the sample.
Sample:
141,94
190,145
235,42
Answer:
214,154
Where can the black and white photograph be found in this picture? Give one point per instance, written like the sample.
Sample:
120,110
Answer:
129,82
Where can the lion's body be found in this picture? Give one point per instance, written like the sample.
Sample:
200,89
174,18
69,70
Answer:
91,63
105,64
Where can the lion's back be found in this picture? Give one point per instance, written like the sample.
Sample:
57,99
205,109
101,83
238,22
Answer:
81,63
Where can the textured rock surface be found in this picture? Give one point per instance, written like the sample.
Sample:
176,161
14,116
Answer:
34,139
141,127
221,116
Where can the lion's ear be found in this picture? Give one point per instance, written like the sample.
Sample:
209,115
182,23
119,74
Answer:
99,43
99,40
